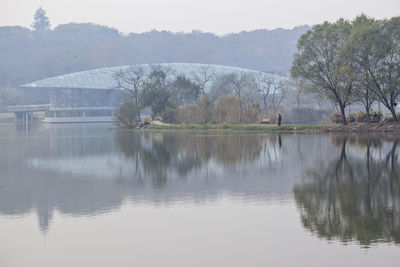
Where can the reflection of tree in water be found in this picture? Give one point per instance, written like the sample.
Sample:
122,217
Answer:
152,153
158,154
354,198
233,149
87,169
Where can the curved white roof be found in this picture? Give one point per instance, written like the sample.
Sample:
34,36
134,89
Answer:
104,78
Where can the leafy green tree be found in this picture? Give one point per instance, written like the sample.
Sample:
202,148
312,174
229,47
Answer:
158,92
164,95
384,63
187,91
360,49
321,65
41,22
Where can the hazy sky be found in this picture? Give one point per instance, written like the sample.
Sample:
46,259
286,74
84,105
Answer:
218,16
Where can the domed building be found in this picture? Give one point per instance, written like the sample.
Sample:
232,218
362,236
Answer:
91,96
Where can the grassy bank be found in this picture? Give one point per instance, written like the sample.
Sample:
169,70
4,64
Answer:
235,127
321,128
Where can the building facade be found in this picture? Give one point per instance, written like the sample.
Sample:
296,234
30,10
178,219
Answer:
91,96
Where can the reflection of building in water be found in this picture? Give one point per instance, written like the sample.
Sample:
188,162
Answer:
357,195
92,95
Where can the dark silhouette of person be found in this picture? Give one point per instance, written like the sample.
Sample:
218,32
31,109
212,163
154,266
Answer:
279,119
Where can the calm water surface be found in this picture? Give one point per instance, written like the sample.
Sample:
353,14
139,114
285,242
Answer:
84,195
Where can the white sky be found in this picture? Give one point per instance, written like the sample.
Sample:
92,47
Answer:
217,16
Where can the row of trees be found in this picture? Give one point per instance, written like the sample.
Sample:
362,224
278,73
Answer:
232,97
162,93
348,62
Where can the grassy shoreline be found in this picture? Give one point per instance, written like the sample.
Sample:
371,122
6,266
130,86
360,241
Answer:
386,127
235,127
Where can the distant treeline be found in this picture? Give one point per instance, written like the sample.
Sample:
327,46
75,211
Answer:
28,55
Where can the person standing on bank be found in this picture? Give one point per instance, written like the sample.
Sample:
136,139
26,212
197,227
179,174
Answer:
279,119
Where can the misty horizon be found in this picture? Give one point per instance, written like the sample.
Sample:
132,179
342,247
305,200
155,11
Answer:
193,31
221,18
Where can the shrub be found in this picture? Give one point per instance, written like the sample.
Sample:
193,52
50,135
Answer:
170,115
351,117
201,112
361,116
188,114
336,117
227,109
376,116
251,112
127,115
205,110
230,109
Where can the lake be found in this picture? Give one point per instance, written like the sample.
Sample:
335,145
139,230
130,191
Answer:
85,195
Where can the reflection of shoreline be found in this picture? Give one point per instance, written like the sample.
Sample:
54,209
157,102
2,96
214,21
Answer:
86,170
384,128
66,171
356,196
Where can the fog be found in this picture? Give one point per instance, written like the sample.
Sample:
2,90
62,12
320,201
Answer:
221,17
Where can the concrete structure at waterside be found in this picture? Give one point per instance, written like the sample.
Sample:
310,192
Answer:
91,96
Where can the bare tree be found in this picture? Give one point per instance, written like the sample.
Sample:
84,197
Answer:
282,95
299,91
131,80
278,90
263,85
203,77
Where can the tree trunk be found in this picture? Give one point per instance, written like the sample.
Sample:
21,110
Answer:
393,111
343,112
367,109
